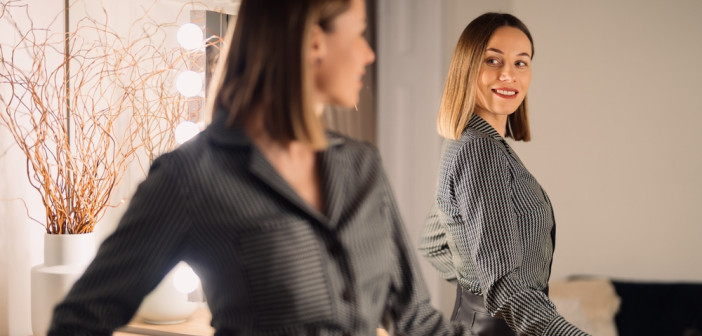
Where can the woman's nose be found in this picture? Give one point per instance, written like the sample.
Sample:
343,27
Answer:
507,74
370,56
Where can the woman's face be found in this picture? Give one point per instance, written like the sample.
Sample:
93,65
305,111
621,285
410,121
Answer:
505,73
346,53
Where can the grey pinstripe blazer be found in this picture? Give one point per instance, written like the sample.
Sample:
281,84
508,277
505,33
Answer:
269,263
492,227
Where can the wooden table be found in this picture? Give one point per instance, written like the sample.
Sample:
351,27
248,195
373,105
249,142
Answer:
196,325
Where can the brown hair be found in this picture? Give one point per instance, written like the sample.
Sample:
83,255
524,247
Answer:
264,67
458,99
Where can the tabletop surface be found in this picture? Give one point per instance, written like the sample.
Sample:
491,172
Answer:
196,325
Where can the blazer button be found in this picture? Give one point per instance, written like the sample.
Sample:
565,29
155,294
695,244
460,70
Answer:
335,249
346,295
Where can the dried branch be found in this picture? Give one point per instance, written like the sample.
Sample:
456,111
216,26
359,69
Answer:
79,141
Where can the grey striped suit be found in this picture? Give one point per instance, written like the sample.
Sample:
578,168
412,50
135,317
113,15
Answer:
269,263
492,228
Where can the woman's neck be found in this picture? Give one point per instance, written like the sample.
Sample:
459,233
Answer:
295,161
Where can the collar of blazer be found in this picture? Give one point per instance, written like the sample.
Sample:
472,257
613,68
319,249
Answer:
334,168
479,124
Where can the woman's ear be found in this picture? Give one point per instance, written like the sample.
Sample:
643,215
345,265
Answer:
317,45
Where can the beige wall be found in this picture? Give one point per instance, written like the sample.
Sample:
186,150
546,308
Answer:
616,115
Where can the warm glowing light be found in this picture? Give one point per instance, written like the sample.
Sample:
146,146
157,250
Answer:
189,83
190,36
185,280
185,131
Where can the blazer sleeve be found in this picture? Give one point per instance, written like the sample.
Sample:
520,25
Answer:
132,260
408,305
434,245
490,237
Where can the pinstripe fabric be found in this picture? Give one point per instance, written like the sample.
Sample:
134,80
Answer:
492,228
269,263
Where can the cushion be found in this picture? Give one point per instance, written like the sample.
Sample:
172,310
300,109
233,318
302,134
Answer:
590,303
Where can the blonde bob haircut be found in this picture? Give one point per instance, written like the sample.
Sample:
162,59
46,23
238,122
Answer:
459,97
264,67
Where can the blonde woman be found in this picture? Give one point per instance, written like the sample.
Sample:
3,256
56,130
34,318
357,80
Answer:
492,227
292,230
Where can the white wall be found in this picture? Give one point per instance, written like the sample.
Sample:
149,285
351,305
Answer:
21,240
615,121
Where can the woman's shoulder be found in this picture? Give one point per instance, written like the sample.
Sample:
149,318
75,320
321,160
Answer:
475,141
183,158
476,135
361,156
347,145
473,148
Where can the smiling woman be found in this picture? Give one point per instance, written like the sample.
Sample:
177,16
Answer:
479,67
492,228
504,76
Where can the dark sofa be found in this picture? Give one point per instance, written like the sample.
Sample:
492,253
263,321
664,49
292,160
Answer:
659,309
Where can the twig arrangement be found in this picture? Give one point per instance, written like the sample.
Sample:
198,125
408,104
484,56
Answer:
81,106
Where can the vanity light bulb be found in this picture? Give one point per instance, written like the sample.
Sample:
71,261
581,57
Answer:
189,83
185,131
190,36
185,280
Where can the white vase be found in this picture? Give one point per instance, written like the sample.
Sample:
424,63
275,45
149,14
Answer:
65,258
172,301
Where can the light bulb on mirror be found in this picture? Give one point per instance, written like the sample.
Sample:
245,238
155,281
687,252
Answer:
189,83
190,36
185,131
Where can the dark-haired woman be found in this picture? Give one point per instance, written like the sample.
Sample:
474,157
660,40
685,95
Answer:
292,230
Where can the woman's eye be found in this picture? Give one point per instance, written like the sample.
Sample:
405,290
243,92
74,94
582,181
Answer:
492,61
521,64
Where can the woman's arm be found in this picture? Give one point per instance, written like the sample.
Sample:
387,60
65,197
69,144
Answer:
409,306
433,243
131,261
434,246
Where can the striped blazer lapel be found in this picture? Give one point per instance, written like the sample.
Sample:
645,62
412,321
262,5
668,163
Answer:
261,168
333,169
335,176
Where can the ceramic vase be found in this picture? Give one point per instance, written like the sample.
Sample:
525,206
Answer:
65,258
